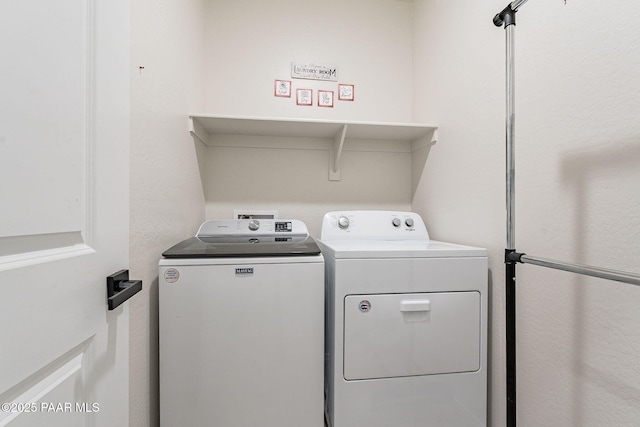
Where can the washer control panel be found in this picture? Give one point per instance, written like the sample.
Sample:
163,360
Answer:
242,227
373,225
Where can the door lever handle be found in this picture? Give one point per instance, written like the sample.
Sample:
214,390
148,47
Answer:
120,288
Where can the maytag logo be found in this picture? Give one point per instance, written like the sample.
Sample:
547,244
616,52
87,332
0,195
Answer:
244,271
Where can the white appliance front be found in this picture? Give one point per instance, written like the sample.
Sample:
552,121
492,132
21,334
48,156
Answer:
241,341
406,328
399,335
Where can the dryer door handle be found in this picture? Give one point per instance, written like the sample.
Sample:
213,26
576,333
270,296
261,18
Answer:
415,305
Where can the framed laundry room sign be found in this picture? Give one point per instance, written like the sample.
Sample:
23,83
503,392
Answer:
314,72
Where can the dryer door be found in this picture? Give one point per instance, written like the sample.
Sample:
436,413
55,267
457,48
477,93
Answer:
397,335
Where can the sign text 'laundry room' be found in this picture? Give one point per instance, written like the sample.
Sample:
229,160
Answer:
314,72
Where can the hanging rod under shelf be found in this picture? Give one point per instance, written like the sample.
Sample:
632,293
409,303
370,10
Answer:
587,270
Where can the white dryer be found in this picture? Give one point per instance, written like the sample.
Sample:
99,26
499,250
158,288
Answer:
242,327
406,324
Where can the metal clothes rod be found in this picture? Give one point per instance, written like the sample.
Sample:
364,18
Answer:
587,270
515,5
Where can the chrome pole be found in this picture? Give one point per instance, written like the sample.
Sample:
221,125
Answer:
507,18
510,169
516,4
587,270
510,267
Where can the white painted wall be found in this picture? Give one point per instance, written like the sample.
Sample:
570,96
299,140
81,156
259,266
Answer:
167,203
295,182
577,198
252,43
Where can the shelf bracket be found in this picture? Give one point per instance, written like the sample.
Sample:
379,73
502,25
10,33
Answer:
425,141
336,154
198,133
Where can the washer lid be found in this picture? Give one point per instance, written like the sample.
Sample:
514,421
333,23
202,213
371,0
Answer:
363,249
242,247
246,238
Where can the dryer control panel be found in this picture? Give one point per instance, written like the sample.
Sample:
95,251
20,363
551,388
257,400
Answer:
373,225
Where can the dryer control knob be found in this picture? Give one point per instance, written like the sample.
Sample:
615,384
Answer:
409,222
343,222
396,222
254,224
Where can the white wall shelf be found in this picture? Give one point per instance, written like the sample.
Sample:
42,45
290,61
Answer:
206,128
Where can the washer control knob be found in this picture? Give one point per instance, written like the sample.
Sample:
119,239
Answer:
409,222
396,222
254,224
343,222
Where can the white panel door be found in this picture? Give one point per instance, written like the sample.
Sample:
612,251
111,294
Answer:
64,129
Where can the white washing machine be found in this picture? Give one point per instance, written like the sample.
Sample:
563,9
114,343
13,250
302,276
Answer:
406,324
242,327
